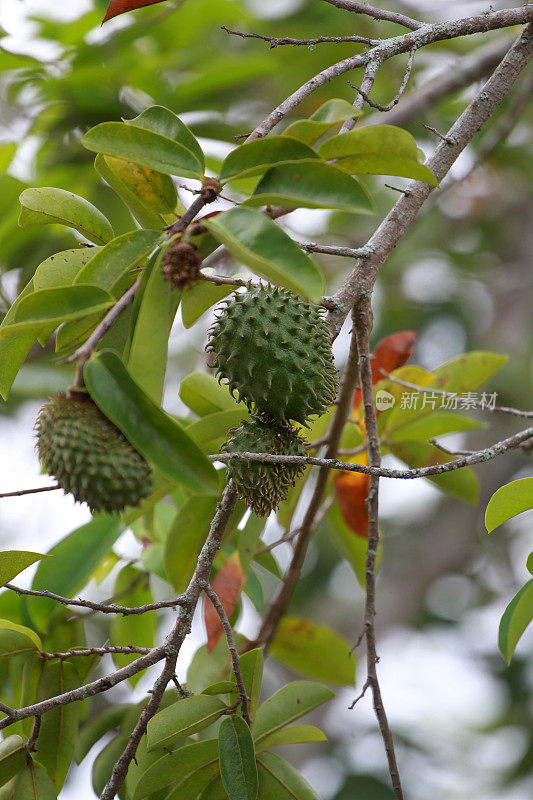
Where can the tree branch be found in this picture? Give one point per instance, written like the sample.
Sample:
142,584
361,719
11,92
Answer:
377,13
22,492
275,41
96,651
397,96
239,680
363,324
104,608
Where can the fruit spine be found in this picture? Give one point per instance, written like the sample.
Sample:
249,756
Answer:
274,350
89,456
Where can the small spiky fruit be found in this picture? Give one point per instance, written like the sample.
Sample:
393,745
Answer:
264,486
181,264
274,350
89,456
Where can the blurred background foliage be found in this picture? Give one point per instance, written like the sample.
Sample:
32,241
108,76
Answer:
461,279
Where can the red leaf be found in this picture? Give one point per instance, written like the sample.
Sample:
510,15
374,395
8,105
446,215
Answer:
227,583
117,7
391,352
351,489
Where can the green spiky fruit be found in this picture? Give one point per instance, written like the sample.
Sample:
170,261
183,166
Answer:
274,350
264,486
89,456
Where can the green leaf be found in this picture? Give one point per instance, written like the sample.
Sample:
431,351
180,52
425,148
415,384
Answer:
252,674
315,650
515,620
156,139
508,501
110,263
140,629
222,687
14,561
62,268
287,705
15,346
212,429
351,547
237,759
59,727
460,483
17,639
378,150
183,718
72,562
48,205
279,781
256,157
435,424
311,185
148,353
34,784
158,437
468,371
146,217
529,563
176,766
185,539
257,241
53,306
195,783
330,113
12,757
96,728
203,394
196,300
295,734
153,190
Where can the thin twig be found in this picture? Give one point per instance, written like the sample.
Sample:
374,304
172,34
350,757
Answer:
369,77
21,492
452,141
449,451
377,13
397,96
363,323
96,651
276,41
30,744
344,252
406,192
479,457
104,608
239,680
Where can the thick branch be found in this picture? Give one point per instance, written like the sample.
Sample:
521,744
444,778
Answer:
422,37
361,280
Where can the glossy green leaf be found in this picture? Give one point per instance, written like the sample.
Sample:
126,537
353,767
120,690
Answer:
204,395
378,150
311,185
435,424
34,784
279,781
132,587
508,501
515,620
12,757
237,759
62,268
315,650
257,241
287,705
330,113
96,728
208,668
199,298
110,263
529,563
196,783
185,539
175,766
251,664
16,639
156,139
53,306
59,727
148,352
15,346
468,371
222,687
295,734
146,217
48,205
256,157
158,437
71,563
14,561
153,190
212,429
460,483
183,718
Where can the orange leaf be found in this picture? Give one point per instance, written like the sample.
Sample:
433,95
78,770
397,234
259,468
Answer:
351,489
117,7
390,353
227,583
